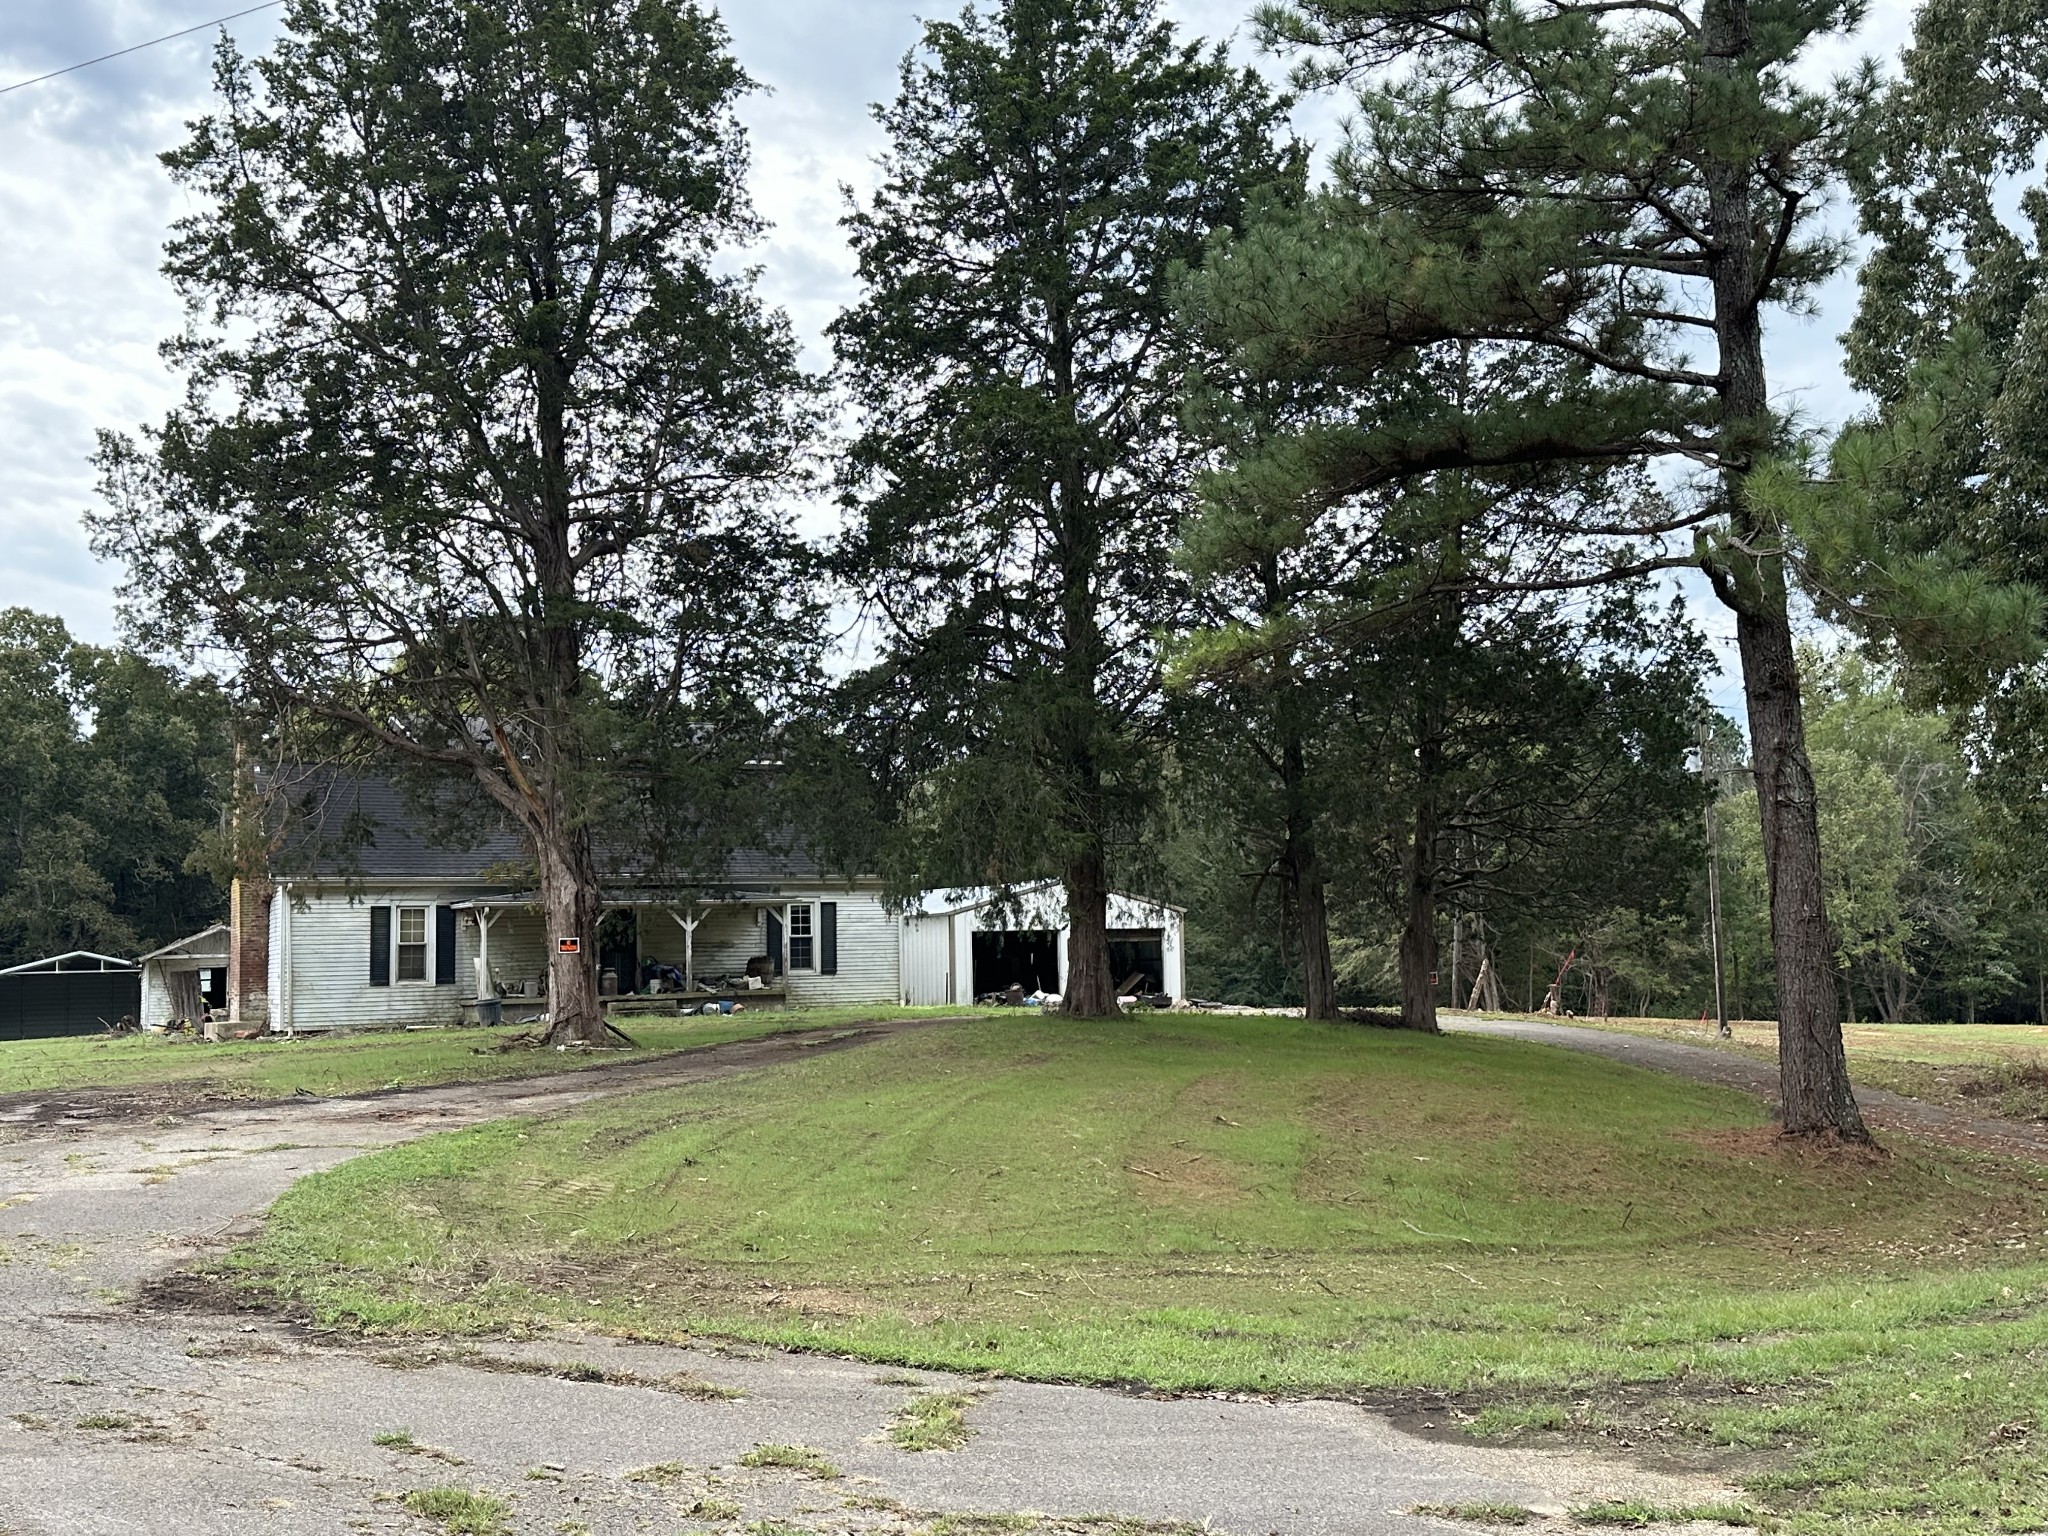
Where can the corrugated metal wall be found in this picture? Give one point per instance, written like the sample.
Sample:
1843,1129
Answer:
928,961
43,1005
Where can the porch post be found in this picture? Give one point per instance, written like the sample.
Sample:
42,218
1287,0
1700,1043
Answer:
484,918
689,927
785,947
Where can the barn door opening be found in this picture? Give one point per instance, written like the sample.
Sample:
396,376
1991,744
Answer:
1026,958
1137,959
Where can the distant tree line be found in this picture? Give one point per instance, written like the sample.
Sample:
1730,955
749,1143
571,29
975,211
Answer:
113,771
1291,537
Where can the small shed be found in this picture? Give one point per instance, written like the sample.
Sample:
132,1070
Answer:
183,980
962,944
79,993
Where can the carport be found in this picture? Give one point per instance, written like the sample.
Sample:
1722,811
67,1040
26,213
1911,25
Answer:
79,993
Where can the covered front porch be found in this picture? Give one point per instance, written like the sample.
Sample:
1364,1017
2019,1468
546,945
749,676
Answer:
666,951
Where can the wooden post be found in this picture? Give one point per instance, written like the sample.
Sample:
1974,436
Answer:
484,918
785,946
689,927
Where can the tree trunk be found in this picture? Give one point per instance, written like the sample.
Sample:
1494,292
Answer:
1813,1072
1485,986
1599,984
1090,991
1318,971
1749,575
1418,938
569,898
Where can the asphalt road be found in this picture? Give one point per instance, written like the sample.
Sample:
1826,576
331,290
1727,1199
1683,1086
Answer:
120,1416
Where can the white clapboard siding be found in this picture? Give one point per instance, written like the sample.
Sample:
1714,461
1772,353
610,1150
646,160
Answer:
320,954
868,955
320,945
156,998
730,936
519,952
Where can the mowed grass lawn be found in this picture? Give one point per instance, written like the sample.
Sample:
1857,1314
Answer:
277,1068
1987,1069
1560,1241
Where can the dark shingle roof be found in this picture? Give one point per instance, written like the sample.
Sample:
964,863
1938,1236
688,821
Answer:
367,827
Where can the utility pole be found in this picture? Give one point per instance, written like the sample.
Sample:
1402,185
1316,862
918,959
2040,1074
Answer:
1713,781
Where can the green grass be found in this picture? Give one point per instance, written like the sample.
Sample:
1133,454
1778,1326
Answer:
1636,1515
1998,1070
1484,1514
933,1421
276,1068
1561,1242
459,1511
792,1458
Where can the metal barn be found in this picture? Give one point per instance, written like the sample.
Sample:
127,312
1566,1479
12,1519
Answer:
79,993
962,944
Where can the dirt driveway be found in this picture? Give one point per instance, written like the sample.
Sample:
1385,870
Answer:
121,1417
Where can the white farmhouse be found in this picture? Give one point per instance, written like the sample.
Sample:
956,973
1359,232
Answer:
377,916
388,922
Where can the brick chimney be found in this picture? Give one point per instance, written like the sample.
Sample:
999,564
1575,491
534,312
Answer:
249,952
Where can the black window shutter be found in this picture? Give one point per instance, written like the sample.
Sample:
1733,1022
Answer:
828,938
444,946
380,946
775,942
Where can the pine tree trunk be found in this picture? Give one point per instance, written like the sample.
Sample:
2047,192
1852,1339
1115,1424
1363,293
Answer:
1813,1071
1813,1074
1418,937
1090,991
569,899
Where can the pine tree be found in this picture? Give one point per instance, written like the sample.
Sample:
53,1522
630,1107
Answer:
1583,197
1019,471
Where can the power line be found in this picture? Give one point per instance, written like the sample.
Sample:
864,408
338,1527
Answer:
118,53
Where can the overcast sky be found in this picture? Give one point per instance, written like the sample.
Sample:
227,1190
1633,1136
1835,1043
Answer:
84,206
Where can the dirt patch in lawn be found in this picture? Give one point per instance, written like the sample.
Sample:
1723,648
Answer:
1767,1141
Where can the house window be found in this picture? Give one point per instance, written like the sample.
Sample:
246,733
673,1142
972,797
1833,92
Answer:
412,943
800,947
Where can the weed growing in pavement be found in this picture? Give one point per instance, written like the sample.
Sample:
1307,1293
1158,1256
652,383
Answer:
1634,1514
113,1421
794,1458
459,1511
1479,1514
401,1440
934,1421
661,1472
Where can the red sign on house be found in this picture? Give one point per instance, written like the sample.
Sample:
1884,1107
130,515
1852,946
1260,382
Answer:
570,946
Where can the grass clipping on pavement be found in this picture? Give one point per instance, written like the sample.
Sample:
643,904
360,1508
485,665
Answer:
1561,1244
